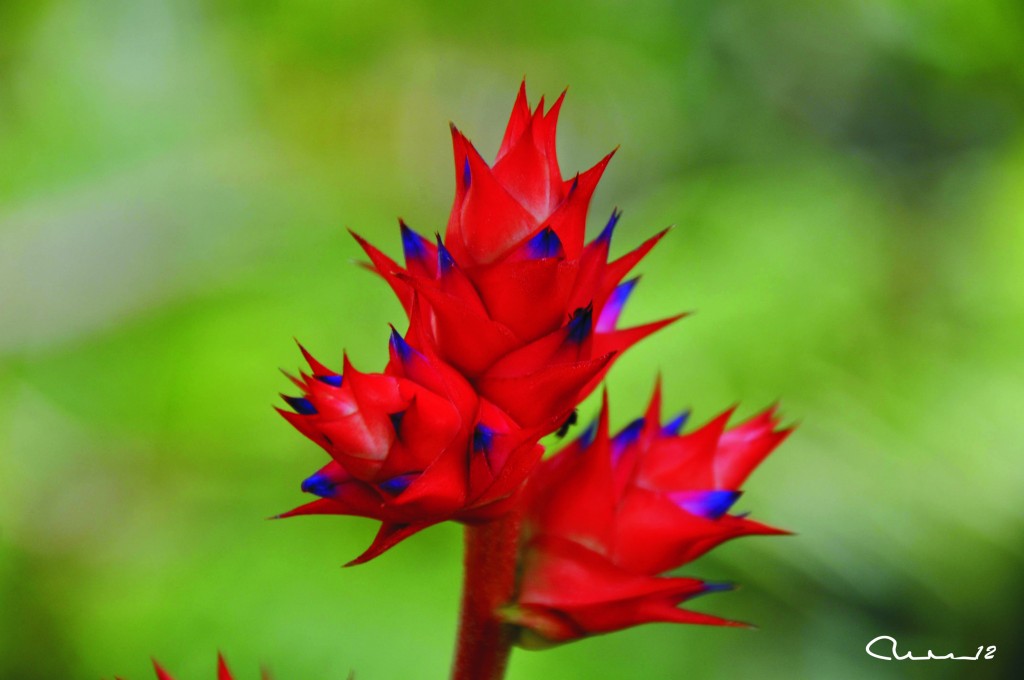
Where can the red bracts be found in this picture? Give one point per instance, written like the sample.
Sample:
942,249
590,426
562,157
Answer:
608,514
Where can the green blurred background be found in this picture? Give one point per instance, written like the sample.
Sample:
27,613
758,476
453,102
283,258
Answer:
175,181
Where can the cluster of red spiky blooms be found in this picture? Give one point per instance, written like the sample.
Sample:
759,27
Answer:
512,322
608,514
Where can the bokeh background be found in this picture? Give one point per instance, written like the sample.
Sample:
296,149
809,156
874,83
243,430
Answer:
847,181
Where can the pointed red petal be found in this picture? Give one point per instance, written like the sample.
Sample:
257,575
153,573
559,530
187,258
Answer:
621,340
222,668
517,122
487,221
161,674
389,535
742,448
318,368
686,462
387,268
570,219
524,168
551,124
615,616
619,268
354,499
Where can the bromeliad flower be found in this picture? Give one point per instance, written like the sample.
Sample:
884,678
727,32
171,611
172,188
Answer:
410,447
512,297
513,320
607,515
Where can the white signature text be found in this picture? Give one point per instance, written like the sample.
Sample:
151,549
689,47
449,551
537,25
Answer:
887,652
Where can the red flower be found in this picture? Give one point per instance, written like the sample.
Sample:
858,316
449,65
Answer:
512,322
512,298
608,514
410,447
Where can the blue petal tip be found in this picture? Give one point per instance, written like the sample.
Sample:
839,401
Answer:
413,245
301,405
319,484
483,438
545,244
401,347
605,236
397,485
629,434
580,324
675,426
707,504
445,262
612,309
332,380
713,587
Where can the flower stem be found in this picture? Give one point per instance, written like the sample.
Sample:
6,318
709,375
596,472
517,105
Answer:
485,642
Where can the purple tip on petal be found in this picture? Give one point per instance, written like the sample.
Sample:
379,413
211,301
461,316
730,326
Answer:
397,485
401,347
675,426
628,435
467,176
413,245
332,380
301,405
545,244
605,236
575,183
483,438
612,309
717,587
396,422
707,504
445,262
319,484
580,324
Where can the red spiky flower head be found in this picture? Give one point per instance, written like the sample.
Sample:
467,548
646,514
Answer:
512,297
512,321
607,515
412,446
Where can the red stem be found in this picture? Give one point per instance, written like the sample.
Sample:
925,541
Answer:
484,642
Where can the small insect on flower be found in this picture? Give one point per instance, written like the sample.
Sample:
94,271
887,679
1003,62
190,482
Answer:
573,418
